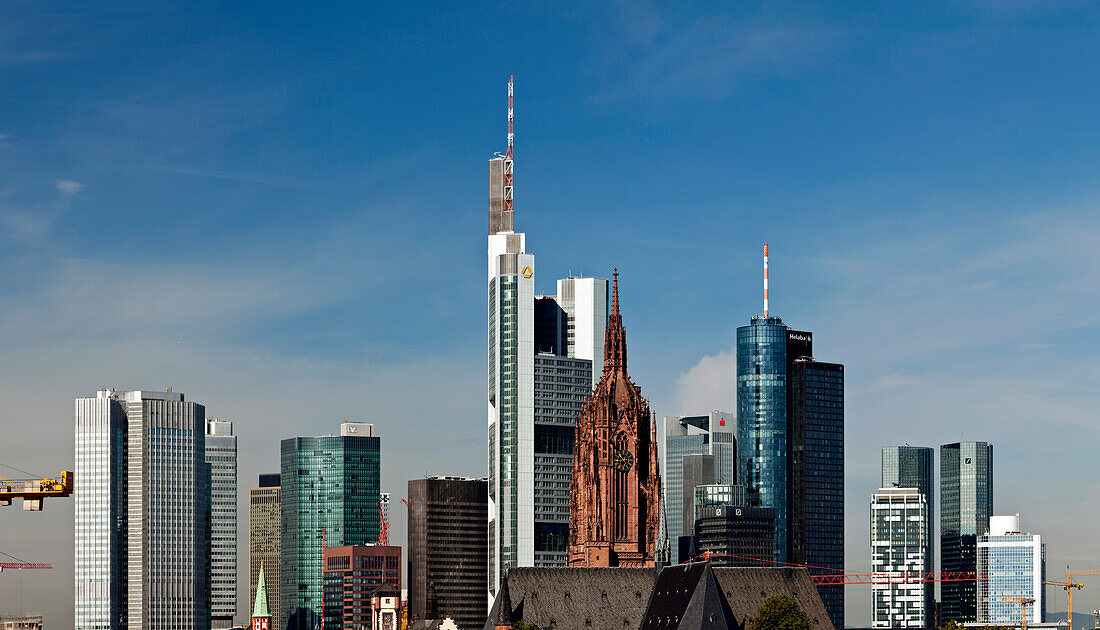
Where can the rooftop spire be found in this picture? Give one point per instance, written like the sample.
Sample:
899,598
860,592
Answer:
765,279
614,339
260,608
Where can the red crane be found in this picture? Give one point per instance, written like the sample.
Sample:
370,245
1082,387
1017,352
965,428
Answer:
845,578
22,564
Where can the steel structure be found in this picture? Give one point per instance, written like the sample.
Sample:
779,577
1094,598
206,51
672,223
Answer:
1068,587
508,156
35,491
1024,602
862,577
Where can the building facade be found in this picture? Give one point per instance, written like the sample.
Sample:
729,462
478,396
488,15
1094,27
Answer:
448,552
713,434
142,551
329,498
352,576
265,539
966,502
1015,565
221,456
762,444
898,542
614,493
738,536
816,496
914,467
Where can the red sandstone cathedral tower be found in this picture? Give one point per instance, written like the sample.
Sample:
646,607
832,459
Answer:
613,498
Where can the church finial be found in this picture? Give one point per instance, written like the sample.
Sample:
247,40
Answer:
615,294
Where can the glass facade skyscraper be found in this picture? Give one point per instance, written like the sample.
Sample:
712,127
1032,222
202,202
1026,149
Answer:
264,538
816,434
221,455
1015,564
966,502
713,434
899,539
762,446
330,492
142,512
914,467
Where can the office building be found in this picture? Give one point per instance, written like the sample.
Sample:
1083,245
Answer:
816,518
698,470
539,351
716,494
713,434
914,467
898,543
142,550
221,456
1015,564
966,503
739,536
329,496
448,551
614,493
265,539
353,574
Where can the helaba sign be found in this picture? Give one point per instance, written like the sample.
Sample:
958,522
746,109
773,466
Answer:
798,337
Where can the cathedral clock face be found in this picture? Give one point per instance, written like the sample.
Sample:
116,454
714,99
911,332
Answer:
623,461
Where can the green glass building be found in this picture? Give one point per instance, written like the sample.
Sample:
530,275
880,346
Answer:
330,484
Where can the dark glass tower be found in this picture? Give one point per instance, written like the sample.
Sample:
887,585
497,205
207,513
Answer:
816,514
966,496
329,484
762,419
913,467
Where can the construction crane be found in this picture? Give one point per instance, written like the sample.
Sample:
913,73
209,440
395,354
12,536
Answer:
1069,585
21,564
1024,602
35,491
843,578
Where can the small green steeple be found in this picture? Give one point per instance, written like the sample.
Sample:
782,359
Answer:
260,609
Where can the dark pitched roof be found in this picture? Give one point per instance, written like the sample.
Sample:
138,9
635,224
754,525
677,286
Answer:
747,588
573,598
687,597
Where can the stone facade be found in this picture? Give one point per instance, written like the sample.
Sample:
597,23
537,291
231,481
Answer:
614,491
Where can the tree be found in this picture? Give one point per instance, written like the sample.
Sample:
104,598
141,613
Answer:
781,612
519,625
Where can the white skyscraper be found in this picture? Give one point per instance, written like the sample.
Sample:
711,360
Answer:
221,455
899,541
584,301
1015,565
141,512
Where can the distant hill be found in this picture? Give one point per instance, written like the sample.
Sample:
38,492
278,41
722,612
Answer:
1081,621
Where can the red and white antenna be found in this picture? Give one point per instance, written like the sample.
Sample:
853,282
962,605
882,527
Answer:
765,279
508,156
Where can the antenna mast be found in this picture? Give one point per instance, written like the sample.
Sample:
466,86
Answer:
508,156
765,279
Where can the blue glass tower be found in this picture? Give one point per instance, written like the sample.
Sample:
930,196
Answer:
762,419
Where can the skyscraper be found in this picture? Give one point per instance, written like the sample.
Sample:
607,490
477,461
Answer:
1015,565
353,574
221,455
698,470
264,539
914,467
329,496
966,500
541,350
898,542
142,512
614,501
447,549
713,434
816,518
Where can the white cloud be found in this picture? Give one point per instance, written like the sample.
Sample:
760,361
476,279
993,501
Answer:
708,385
69,187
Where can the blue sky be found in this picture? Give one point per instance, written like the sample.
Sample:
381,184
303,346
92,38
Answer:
280,209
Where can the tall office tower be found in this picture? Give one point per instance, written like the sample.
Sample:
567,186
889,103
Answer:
817,474
264,538
448,549
1015,564
614,492
713,434
540,356
715,494
913,467
966,502
142,512
221,455
698,470
329,497
899,539
353,574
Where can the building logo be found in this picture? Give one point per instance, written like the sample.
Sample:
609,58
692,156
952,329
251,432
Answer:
526,273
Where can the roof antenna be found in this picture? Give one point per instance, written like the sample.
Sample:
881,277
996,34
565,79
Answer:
508,156
765,279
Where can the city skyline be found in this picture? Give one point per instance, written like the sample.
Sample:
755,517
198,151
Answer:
912,227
